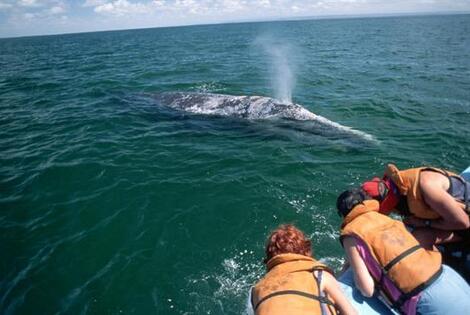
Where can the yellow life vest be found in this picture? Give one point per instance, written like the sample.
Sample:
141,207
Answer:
407,182
408,265
290,287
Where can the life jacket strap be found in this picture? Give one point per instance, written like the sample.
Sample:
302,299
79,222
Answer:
436,170
331,308
466,199
406,296
397,259
321,299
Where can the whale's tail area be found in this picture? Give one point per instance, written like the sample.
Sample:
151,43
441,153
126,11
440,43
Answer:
252,108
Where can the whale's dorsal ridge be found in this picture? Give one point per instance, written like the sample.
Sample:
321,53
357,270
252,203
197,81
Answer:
249,107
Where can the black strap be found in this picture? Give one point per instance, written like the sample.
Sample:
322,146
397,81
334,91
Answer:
465,195
321,299
406,296
395,260
437,170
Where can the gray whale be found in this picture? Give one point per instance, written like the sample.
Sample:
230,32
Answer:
248,107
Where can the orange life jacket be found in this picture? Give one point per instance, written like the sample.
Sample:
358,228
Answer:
401,259
407,182
290,287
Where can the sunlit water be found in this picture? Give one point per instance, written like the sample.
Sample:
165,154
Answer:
113,204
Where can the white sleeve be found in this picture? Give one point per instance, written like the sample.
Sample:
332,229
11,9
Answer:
249,307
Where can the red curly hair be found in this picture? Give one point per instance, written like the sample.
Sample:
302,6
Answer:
287,239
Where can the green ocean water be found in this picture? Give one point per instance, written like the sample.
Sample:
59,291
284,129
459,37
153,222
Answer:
113,204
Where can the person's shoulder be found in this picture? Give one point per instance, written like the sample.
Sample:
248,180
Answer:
432,180
329,278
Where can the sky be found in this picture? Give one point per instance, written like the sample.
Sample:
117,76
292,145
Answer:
40,17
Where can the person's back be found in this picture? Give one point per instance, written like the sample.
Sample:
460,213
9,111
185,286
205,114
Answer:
435,204
295,282
433,196
384,254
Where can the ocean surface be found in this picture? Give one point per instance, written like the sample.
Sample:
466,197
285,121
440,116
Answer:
112,203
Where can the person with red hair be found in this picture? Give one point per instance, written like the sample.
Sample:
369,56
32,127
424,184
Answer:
296,283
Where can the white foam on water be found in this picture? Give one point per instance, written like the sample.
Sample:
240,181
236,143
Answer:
333,262
231,282
238,275
208,87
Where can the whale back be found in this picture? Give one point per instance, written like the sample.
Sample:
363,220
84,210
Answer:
252,108
247,107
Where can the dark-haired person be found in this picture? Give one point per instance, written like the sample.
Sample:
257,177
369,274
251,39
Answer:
435,203
296,283
387,260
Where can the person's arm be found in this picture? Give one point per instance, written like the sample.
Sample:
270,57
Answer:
332,289
430,237
434,190
362,278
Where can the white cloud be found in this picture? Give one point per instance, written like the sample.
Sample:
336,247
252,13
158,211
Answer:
30,10
94,3
121,7
233,5
29,16
295,8
264,3
178,8
161,12
56,10
159,3
46,16
182,8
5,5
29,3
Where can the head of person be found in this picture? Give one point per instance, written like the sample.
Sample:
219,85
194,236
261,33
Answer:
348,199
384,191
287,239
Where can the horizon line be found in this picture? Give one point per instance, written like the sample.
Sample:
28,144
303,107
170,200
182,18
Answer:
273,19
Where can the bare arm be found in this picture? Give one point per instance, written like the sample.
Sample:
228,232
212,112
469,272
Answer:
434,189
362,277
333,290
429,237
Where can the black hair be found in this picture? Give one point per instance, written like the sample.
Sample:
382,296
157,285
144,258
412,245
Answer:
348,199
